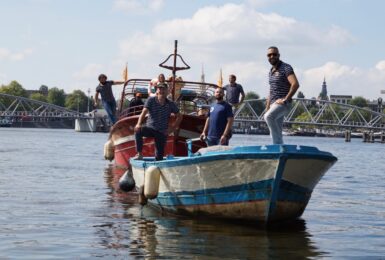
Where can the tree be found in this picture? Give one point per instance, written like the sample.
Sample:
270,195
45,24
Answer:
56,96
14,89
77,101
38,96
359,102
258,106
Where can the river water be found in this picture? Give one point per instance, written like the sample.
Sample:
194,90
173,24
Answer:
58,201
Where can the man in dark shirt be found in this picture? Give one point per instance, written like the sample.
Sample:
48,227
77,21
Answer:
217,129
108,99
233,91
283,85
136,104
159,109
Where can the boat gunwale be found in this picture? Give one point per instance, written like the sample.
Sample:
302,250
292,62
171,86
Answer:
306,152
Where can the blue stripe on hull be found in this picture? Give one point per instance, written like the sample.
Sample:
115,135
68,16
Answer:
256,191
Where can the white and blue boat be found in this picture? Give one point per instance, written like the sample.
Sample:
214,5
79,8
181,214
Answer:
255,183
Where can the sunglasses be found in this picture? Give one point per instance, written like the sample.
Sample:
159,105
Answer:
272,54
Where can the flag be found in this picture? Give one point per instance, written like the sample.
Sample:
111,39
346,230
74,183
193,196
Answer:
220,80
125,73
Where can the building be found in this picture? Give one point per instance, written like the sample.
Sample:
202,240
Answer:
324,92
342,99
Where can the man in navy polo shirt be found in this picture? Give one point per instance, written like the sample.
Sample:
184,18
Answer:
283,85
233,91
108,99
217,129
159,109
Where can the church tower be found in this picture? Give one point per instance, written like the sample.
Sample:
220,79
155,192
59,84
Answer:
324,92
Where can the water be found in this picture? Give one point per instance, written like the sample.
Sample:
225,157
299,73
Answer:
58,201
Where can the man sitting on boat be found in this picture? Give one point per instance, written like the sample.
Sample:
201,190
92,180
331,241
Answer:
159,109
219,121
136,104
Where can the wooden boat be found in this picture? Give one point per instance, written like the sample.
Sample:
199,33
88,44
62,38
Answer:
254,183
188,95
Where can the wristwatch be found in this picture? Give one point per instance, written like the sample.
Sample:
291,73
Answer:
285,101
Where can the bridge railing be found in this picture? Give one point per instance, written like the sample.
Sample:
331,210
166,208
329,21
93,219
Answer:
310,112
21,107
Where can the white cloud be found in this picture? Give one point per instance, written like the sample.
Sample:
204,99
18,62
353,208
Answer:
233,32
88,72
6,54
234,38
381,66
343,79
141,6
231,36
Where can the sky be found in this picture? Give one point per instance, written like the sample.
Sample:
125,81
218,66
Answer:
67,44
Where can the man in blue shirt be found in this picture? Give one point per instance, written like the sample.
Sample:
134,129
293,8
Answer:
159,109
108,99
283,85
217,129
233,91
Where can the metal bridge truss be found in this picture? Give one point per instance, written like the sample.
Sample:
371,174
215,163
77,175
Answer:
17,108
316,113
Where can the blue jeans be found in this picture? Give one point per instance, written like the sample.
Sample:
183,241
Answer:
274,120
160,141
110,107
215,141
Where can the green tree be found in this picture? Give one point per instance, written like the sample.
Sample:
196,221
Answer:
77,101
38,96
14,88
359,102
258,106
56,96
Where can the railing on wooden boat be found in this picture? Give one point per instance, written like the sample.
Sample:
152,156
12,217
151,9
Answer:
189,95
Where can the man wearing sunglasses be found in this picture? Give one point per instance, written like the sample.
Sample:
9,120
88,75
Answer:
283,85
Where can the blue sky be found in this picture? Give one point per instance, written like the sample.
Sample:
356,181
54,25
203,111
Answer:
67,44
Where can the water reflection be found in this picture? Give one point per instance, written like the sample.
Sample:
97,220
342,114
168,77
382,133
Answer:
130,230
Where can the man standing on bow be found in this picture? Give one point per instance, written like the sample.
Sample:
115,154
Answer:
283,85
233,91
217,130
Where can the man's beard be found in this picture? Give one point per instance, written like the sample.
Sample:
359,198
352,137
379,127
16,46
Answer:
274,62
219,98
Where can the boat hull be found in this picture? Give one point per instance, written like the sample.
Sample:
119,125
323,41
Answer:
256,183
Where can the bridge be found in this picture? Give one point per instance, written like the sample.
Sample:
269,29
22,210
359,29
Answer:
318,113
304,112
24,109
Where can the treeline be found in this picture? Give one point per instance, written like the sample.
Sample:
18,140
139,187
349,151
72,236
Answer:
77,100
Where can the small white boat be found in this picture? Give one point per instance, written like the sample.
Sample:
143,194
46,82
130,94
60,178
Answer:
254,183
5,122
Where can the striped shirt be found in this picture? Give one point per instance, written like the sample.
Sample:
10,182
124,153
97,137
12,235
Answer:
279,84
159,114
